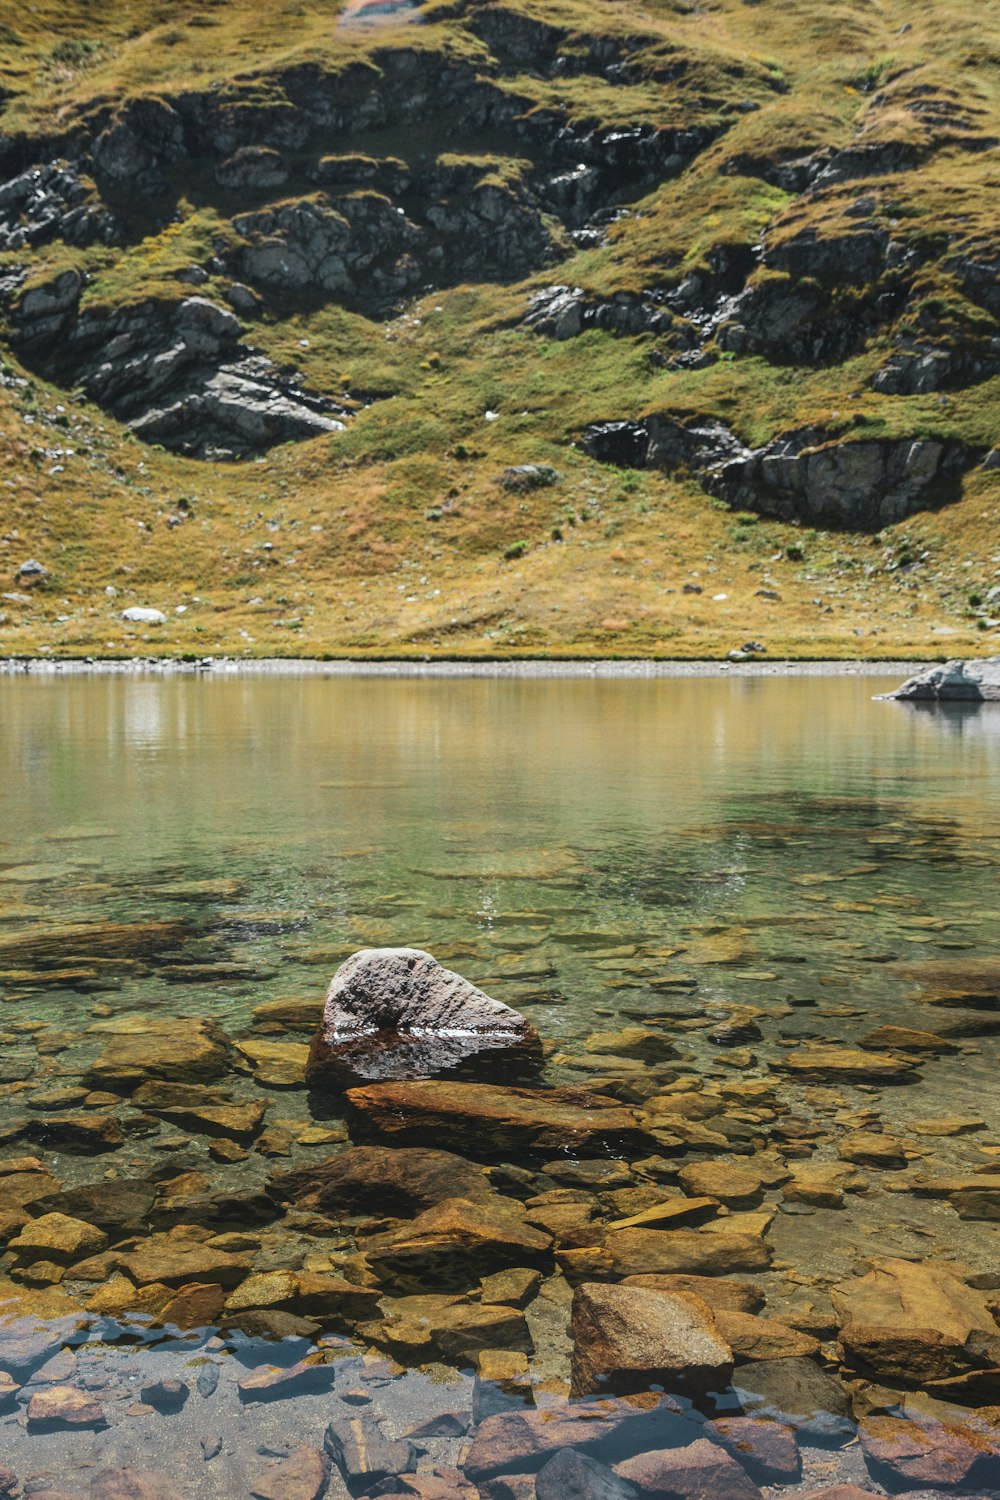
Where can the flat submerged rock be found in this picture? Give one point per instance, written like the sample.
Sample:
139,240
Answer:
492,1121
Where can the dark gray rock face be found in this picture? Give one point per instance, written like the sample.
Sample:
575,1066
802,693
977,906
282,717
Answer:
53,201
252,168
953,682
176,372
396,1013
144,138
857,483
363,248
658,442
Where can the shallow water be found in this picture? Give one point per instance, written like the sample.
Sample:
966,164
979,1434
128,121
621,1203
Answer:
595,853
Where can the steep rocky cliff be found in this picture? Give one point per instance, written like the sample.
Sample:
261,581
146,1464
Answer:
743,254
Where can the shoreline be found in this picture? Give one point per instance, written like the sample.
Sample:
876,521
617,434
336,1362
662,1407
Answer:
532,668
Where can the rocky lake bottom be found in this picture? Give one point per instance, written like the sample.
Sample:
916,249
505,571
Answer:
737,1238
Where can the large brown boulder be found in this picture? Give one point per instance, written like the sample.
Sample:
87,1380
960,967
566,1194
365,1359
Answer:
492,1122
397,1013
627,1338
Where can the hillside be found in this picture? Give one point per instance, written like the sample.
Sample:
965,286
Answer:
593,327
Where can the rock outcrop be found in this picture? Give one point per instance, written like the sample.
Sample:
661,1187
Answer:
176,371
845,481
395,1013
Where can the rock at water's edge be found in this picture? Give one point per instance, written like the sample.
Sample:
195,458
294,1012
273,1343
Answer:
954,681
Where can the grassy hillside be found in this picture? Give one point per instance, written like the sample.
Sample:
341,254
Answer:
775,223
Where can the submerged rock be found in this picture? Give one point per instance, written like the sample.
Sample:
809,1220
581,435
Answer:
363,1453
798,1393
494,1122
916,1324
767,1450
397,1013
905,1454
382,1180
575,1476
63,1407
301,1476
457,1241
953,682
434,1325
141,1048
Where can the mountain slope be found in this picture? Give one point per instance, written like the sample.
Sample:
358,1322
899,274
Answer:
498,328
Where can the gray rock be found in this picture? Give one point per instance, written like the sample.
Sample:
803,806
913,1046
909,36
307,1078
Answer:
563,312
242,300
363,1453
860,483
397,1013
31,569
53,201
175,371
954,681
574,1476
659,442
527,477
144,138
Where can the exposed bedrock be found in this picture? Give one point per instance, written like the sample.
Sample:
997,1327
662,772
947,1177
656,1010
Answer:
396,1013
849,481
176,372
53,201
364,249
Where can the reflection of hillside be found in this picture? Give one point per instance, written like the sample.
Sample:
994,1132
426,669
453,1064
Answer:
443,771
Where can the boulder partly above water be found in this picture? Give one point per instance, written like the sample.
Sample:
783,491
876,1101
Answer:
953,682
396,1013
